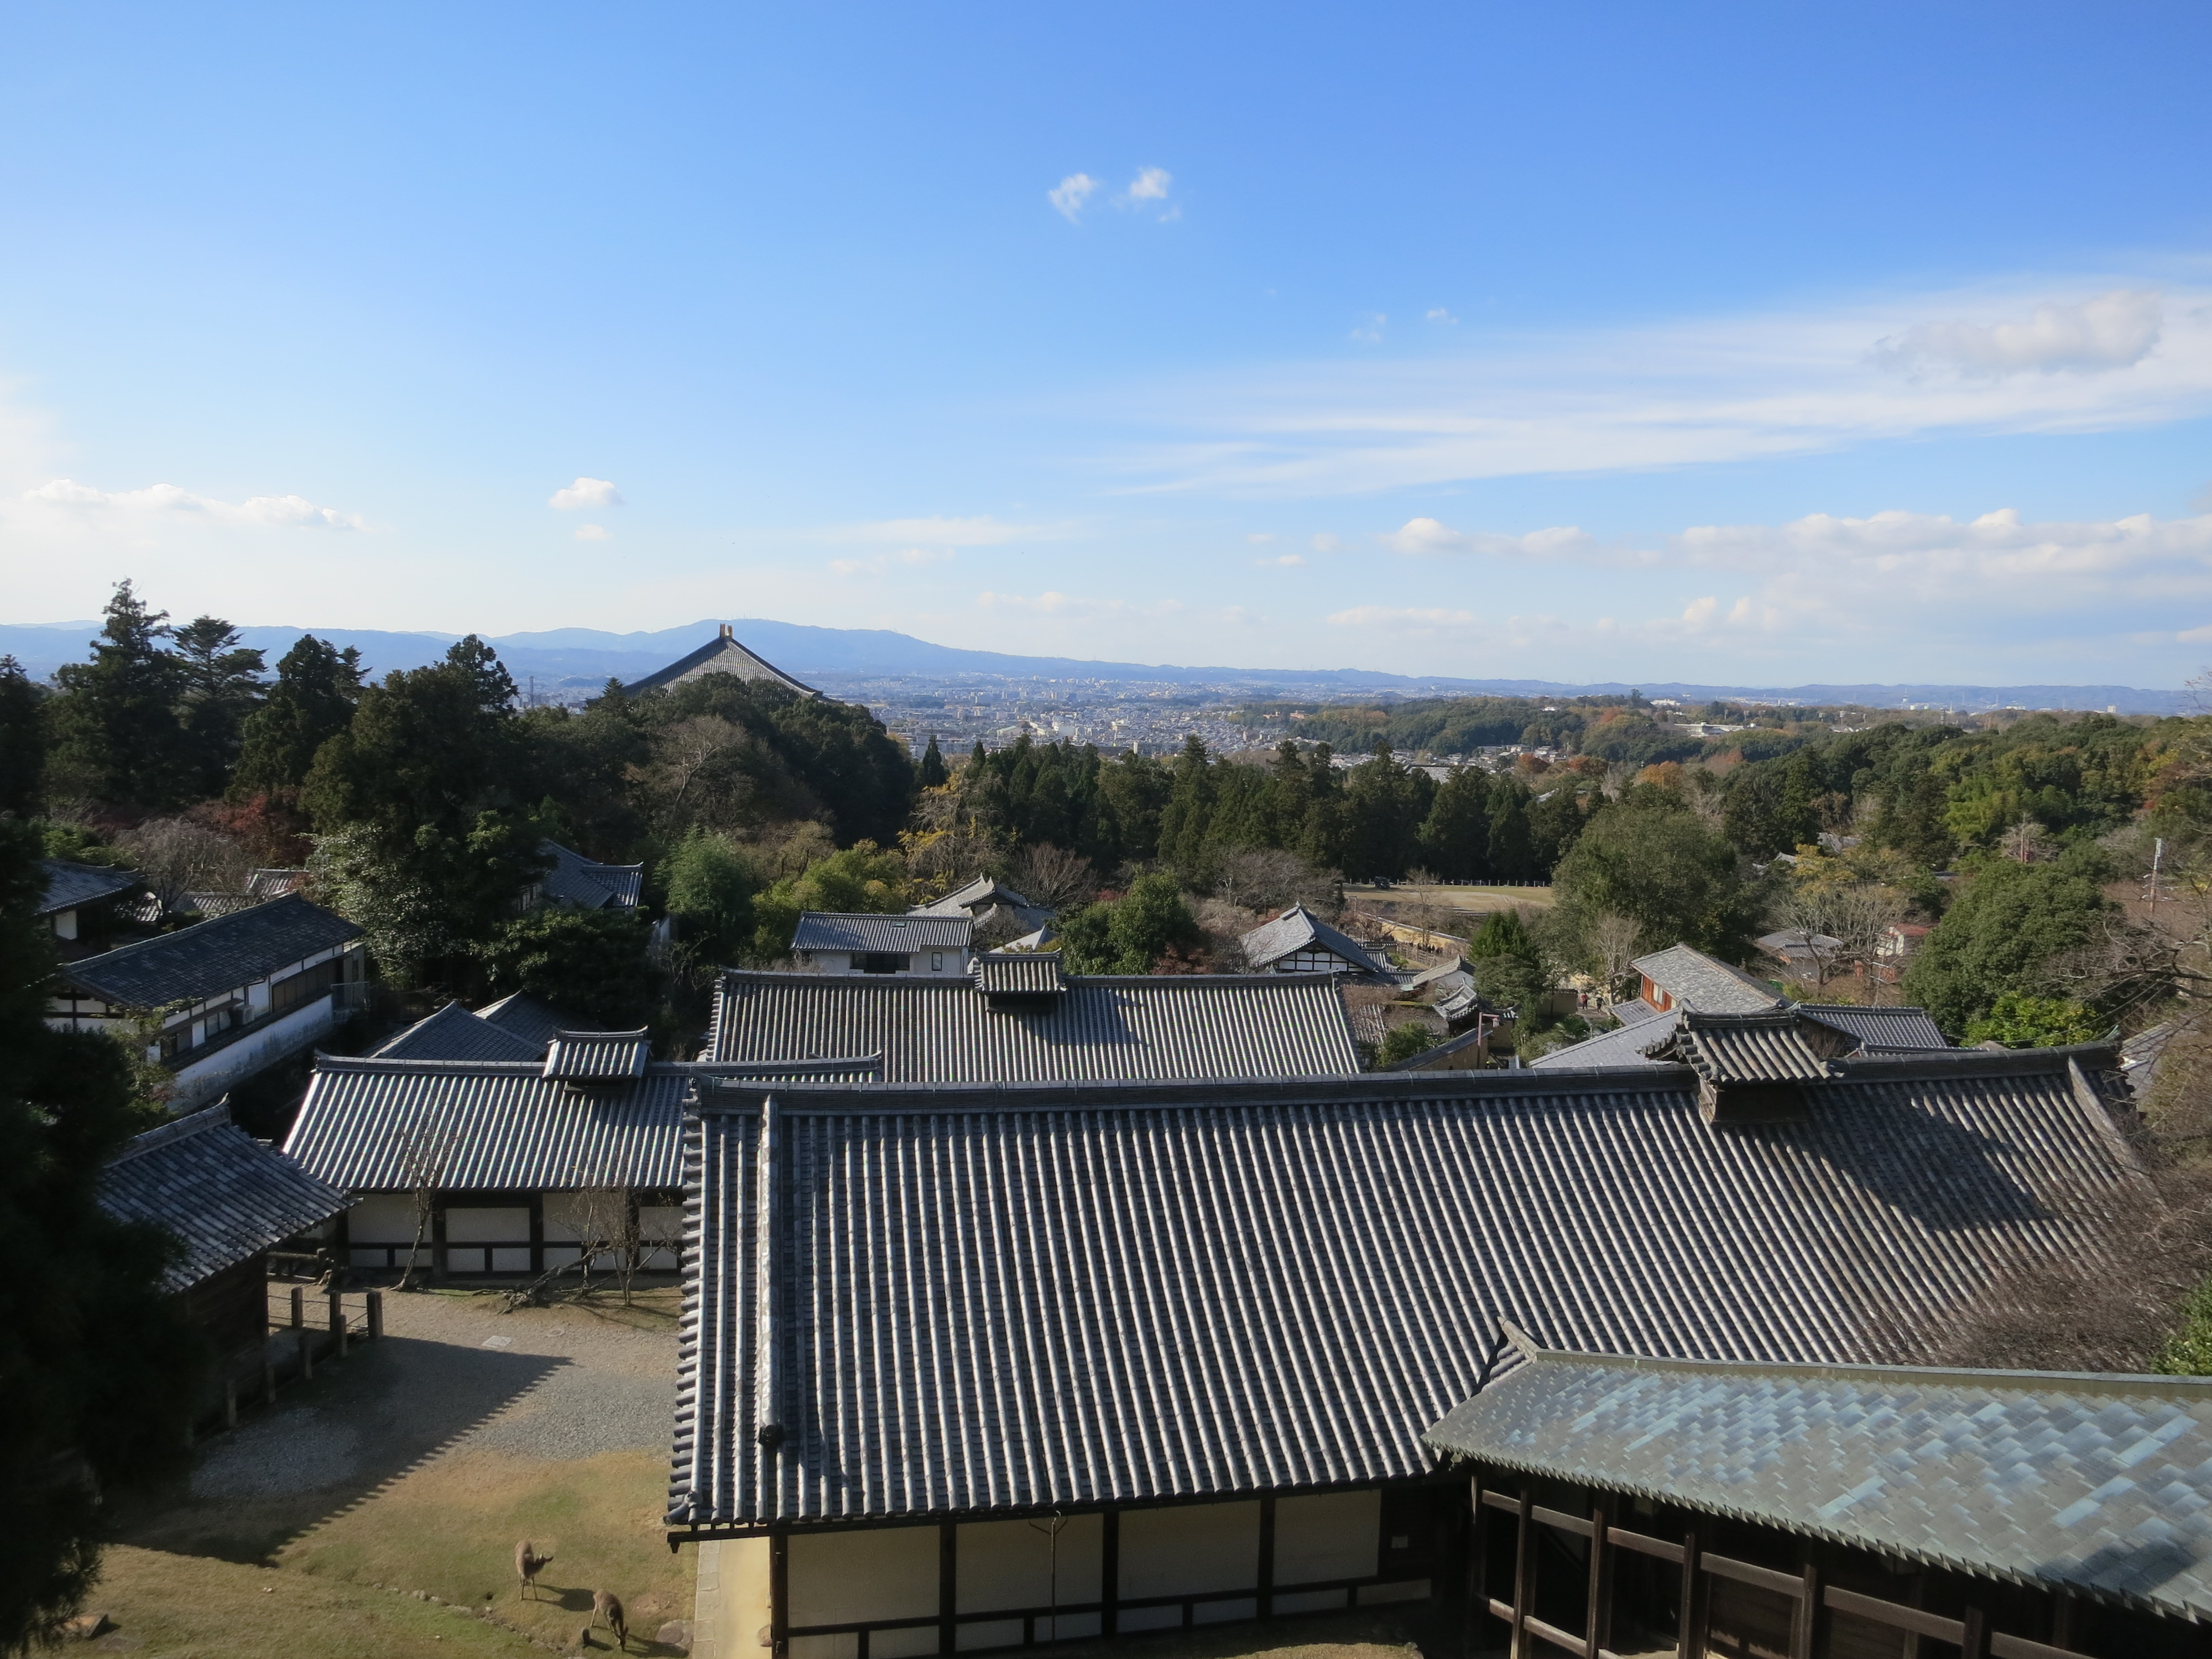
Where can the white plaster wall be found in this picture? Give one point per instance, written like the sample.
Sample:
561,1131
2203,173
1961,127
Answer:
486,1225
249,1054
730,1606
1010,1563
1190,1548
847,1578
382,1219
1335,1534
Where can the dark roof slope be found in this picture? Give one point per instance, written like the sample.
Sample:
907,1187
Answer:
1901,1030
1019,1296
70,886
498,1125
835,930
947,1030
212,957
454,1033
721,655
1299,929
2098,1484
1741,1048
1695,980
536,1022
223,1193
1624,1047
574,879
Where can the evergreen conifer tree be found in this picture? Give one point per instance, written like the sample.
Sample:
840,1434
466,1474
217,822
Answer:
317,687
114,726
22,740
933,770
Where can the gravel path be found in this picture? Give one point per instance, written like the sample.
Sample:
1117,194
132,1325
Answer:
455,1375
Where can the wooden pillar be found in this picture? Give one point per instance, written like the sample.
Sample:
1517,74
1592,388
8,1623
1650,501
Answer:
537,1234
1477,1569
1597,1616
299,1307
439,1266
338,1325
1804,1628
779,1592
307,1354
230,1402
1524,1571
375,1300
1974,1642
1109,1572
1266,1597
948,1583
2062,1619
1690,1638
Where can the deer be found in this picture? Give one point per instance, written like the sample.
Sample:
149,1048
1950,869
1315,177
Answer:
527,1565
606,1605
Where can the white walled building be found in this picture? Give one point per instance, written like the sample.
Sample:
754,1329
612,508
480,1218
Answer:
832,942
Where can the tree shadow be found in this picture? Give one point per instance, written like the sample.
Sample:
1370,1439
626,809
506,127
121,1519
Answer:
330,1444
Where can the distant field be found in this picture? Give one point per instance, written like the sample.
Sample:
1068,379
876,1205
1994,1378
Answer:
1475,900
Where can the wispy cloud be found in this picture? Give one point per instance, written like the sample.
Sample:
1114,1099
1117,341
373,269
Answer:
1439,314
591,532
65,496
881,564
983,531
1281,562
1730,389
1052,604
585,493
1069,195
1367,331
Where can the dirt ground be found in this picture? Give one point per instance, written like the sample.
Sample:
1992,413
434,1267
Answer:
410,1470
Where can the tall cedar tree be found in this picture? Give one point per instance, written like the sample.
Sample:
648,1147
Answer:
318,686
22,740
222,691
933,770
114,726
97,1368
1455,835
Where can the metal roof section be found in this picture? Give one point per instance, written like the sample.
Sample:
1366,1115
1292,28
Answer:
1143,1028
454,1033
1741,1048
1903,1031
595,1057
369,1126
1622,1046
275,884
576,880
519,1014
1020,974
2101,1484
952,1299
1866,1031
1299,929
863,931
1695,980
223,1194
719,656
70,886
212,957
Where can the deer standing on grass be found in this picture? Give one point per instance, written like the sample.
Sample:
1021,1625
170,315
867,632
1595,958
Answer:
527,1564
606,1605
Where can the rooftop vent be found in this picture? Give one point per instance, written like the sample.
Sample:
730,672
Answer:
1017,979
585,1058
1752,1068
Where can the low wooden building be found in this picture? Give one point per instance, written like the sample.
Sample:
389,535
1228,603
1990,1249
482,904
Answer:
923,943
1299,942
227,1199
970,1367
1628,1504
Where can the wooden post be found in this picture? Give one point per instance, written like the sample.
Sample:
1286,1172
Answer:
268,1378
1524,1572
1597,1619
779,1592
338,1325
375,1300
299,1307
1266,1596
1477,1569
307,1354
1690,1638
1109,1573
1974,1641
948,1583
230,1402
1805,1626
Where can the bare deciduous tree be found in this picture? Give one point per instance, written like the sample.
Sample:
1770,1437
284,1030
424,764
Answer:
2027,842
178,856
1614,941
1052,877
1269,878
423,1154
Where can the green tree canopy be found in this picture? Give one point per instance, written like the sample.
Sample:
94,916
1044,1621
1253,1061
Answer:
318,686
1131,935
934,773
2000,933
22,741
591,964
2020,1021
709,883
1651,859
1403,1042
1455,835
222,689
860,879
114,728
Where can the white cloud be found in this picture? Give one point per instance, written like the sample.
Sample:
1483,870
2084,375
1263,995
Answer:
880,564
585,492
1069,195
591,532
1259,538
1281,562
85,503
983,531
1427,536
1439,314
1404,619
1367,331
1701,392
2113,330
1151,184
1322,542
1052,604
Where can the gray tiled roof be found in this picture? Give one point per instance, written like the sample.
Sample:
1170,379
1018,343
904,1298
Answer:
1299,929
519,1014
454,1033
1019,974
503,1125
70,886
597,1056
722,655
223,1193
1254,1285
1739,1047
1695,980
1624,1046
275,884
576,880
213,957
830,930
1902,1030
2098,1484
1148,1028
979,894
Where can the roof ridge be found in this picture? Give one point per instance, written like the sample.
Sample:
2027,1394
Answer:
216,1117
141,946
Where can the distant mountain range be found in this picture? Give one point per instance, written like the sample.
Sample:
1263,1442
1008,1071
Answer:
569,657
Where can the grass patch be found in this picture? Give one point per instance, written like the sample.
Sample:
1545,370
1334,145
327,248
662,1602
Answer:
451,1529
194,1606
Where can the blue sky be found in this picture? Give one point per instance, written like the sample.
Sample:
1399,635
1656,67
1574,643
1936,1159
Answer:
1719,342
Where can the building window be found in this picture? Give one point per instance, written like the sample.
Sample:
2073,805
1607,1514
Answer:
175,1042
303,987
884,962
937,961
222,1019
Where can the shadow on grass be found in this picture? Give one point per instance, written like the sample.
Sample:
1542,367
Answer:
328,1445
1411,1628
